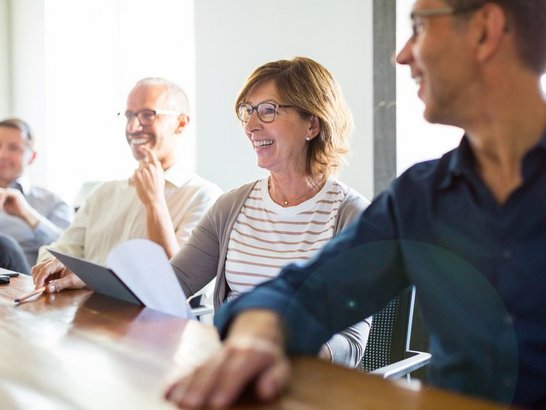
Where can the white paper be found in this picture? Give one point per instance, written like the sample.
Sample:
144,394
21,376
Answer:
144,267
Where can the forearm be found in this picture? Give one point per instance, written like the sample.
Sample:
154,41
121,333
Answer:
46,232
31,217
347,347
257,324
160,228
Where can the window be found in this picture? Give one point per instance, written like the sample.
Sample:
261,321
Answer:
416,140
94,53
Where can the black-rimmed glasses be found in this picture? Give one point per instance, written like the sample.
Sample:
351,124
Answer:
267,111
146,117
416,15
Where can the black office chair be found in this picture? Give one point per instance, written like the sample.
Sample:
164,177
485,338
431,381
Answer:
388,351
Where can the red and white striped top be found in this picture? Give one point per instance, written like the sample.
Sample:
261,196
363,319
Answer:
267,236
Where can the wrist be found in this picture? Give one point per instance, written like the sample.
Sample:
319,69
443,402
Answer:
263,325
155,203
32,219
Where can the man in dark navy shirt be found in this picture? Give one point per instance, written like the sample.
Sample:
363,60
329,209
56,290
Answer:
468,230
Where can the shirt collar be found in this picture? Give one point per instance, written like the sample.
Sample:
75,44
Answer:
462,160
459,161
22,184
178,174
542,143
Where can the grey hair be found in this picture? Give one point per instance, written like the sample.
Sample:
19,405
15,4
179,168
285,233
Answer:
19,124
175,96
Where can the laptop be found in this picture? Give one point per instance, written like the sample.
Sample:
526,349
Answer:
98,278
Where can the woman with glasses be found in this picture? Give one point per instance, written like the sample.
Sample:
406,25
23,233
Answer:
297,123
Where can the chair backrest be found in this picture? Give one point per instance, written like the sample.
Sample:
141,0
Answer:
389,338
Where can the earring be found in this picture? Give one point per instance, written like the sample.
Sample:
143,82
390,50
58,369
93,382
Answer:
307,138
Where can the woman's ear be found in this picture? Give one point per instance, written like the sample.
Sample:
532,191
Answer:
314,128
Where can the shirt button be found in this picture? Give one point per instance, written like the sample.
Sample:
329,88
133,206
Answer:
508,382
506,254
510,319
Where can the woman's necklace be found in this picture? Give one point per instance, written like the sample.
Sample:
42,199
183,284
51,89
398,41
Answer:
308,194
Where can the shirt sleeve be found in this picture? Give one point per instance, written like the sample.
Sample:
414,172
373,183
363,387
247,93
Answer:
72,239
51,226
347,347
196,263
200,203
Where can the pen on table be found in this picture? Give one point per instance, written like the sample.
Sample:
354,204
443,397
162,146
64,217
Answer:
35,292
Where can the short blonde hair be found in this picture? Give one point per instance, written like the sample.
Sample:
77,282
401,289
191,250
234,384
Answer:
309,86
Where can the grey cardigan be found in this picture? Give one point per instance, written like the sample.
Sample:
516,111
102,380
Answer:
203,257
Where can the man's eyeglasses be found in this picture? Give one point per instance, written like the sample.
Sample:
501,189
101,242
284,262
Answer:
417,15
146,117
267,111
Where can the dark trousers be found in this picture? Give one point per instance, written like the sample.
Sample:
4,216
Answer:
12,256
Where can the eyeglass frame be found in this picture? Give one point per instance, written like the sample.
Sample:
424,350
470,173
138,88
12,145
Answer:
255,109
441,11
138,113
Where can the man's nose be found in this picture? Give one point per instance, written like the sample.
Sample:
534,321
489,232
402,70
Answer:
405,55
133,124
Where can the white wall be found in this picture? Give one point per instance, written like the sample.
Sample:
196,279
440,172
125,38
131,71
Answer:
28,75
76,60
73,63
416,139
5,89
234,37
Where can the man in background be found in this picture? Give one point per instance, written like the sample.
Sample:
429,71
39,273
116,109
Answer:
162,200
30,216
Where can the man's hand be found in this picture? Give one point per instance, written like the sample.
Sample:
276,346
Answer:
14,203
252,353
57,276
149,179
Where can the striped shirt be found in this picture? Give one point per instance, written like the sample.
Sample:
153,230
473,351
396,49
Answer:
267,236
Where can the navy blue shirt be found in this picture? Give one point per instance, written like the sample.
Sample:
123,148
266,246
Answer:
479,269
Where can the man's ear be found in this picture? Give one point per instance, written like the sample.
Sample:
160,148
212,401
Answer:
183,121
492,27
31,156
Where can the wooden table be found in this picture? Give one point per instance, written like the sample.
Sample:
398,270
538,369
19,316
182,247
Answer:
79,350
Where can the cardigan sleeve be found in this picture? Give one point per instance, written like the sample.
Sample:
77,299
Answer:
347,347
196,263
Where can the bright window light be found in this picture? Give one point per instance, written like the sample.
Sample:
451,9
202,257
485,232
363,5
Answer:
92,61
416,139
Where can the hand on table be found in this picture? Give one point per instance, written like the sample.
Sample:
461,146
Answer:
56,275
252,353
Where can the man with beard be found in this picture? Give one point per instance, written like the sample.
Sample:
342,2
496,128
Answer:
161,201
